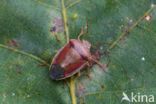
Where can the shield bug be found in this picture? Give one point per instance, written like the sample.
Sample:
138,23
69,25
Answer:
71,58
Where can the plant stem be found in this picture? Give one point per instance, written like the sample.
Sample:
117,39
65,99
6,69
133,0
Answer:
130,29
73,3
66,33
72,90
64,16
25,53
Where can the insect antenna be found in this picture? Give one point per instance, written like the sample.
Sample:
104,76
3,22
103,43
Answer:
84,30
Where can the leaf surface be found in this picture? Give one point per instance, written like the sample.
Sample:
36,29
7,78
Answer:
26,25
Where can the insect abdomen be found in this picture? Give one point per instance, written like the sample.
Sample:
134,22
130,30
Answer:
56,71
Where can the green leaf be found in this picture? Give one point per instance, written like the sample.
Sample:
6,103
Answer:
29,23
117,26
26,25
24,80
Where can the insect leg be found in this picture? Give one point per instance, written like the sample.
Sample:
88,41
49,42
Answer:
84,30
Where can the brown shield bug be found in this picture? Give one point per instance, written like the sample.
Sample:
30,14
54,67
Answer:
71,58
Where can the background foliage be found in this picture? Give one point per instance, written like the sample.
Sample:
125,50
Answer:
25,25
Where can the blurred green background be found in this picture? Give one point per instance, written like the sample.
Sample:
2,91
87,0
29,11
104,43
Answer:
25,25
